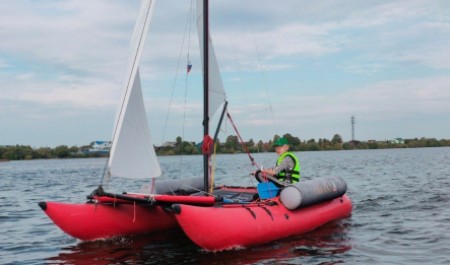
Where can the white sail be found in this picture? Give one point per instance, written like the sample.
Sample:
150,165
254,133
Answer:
132,153
216,92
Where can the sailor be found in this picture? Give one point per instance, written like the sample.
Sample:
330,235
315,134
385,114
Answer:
287,168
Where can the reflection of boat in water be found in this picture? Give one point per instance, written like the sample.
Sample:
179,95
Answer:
214,219
123,250
331,240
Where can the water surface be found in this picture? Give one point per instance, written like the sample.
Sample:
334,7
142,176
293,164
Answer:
401,212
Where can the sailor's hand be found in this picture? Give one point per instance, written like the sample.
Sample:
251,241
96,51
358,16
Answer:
285,183
258,175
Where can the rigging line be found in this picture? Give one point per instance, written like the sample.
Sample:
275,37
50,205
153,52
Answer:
242,141
190,11
147,15
238,66
187,77
234,56
184,117
261,67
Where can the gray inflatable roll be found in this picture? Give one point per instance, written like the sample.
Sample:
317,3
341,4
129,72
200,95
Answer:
309,192
171,185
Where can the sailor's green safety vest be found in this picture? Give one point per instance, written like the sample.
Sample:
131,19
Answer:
291,176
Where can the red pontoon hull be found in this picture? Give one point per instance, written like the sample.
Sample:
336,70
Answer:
118,214
90,221
234,226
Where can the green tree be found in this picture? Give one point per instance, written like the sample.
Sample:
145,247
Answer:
325,144
337,139
73,149
43,153
336,142
294,142
61,151
232,144
187,148
312,146
179,145
261,146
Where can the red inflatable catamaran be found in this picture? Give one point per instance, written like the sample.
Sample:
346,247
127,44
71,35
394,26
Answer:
235,225
215,219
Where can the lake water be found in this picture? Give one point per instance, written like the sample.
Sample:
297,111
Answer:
401,212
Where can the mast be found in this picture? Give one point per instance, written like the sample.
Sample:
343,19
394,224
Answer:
205,93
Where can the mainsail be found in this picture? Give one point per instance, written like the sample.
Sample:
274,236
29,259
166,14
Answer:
132,153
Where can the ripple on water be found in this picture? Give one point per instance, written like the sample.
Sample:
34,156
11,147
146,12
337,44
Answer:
400,213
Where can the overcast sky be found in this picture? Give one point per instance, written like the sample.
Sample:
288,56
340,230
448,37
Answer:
299,67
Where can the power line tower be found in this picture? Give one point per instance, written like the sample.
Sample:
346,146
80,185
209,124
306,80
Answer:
352,119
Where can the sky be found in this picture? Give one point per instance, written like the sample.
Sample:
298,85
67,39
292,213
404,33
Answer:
300,67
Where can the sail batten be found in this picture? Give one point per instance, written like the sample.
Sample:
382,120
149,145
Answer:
132,153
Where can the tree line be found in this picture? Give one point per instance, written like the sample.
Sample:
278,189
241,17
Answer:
26,152
231,145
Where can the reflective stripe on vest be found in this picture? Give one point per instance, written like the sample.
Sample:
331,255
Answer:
292,176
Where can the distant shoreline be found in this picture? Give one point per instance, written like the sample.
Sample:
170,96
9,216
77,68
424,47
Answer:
17,153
